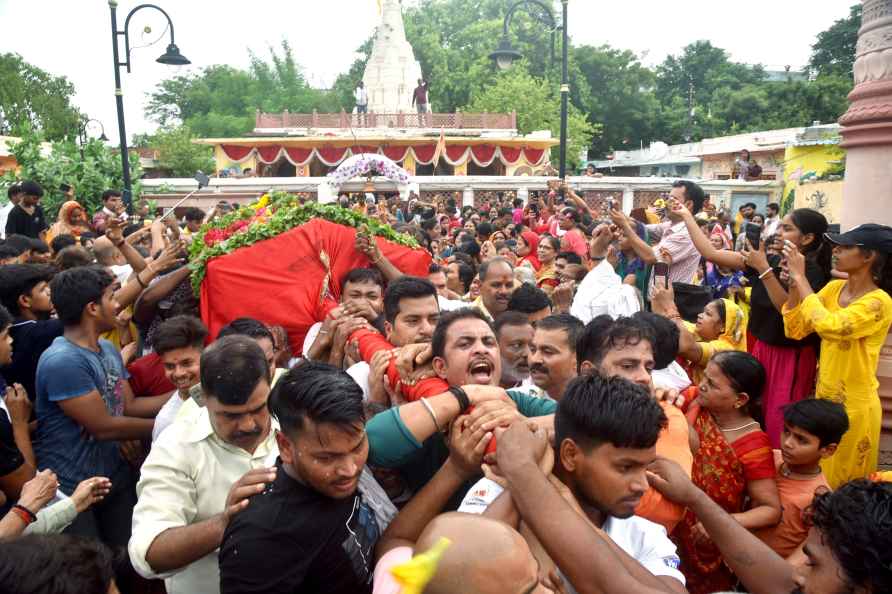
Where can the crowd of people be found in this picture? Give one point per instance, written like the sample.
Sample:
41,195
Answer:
574,399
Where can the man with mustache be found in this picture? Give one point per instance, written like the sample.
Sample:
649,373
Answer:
496,285
515,335
315,528
199,474
553,353
468,367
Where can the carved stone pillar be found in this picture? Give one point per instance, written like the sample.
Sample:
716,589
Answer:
867,138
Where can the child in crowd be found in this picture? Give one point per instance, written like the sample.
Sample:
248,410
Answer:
812,431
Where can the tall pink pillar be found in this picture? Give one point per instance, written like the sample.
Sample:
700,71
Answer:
867,138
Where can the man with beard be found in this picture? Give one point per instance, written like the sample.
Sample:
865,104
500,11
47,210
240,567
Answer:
25,292
316,527
605,439
199,474
847,547
515,335
553,353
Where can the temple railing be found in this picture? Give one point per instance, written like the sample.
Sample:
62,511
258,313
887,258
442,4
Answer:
450,121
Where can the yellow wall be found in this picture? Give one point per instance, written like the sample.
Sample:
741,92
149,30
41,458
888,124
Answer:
799,162
824,196
223,162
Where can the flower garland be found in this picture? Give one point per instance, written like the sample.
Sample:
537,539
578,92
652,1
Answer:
369,166
273,215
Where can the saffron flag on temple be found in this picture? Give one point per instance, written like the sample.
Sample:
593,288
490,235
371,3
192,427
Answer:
292,280
440,148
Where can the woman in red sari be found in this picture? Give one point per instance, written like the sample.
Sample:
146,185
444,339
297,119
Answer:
527,250
734,465
546,276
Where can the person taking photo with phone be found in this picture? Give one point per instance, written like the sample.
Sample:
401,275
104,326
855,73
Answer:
790,364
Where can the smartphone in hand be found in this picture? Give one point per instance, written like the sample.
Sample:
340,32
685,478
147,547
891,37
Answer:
661,274
753,234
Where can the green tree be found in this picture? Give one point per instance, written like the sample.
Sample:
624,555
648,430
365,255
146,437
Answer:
833,54
98,170
32,99
179,155
621,97
538,108
221,101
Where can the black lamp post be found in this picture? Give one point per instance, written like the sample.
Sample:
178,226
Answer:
82,134
505,55
171,56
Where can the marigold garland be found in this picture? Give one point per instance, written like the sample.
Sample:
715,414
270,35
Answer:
270,216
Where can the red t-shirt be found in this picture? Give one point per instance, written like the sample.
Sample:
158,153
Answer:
147,377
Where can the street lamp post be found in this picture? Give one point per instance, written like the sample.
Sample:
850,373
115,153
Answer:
82,134
171,56
505,55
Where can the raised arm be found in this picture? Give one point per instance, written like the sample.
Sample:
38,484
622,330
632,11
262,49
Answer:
642,249
760,569
663,303
727,258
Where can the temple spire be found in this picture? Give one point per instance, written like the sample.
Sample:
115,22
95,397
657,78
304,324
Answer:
392,71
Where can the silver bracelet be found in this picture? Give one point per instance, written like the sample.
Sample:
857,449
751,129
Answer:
431,412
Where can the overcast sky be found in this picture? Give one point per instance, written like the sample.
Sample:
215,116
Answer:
72,37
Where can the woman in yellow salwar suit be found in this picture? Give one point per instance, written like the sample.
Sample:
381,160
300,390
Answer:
852,317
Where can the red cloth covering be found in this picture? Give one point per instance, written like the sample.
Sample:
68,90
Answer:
269,154
424,153
147,377
331,155
298,156
533,156
510,155
483,154
358,150
236,153
456,154
395,153
280,281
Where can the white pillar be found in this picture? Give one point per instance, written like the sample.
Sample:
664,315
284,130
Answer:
628,199
467,197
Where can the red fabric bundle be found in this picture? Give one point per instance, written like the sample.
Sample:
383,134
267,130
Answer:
284,281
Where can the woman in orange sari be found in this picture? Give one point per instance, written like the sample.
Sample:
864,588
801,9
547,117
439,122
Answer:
546,276
734,465
72,220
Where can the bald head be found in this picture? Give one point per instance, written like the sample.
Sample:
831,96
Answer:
105,251
485,557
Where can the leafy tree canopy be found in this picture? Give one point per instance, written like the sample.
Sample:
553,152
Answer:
833,53
32,99
90,173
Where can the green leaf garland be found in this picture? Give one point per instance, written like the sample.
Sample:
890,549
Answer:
286,214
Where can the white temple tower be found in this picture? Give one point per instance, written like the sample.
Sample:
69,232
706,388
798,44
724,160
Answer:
392,71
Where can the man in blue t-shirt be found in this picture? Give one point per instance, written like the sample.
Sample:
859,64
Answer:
82,396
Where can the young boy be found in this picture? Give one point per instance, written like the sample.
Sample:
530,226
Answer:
812,430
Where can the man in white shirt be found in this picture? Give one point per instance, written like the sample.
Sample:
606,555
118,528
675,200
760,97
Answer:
200,473
772,220
14,194
602,291
599,467
361,96
179,342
